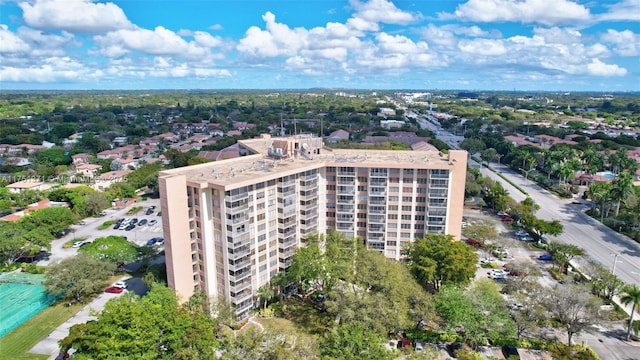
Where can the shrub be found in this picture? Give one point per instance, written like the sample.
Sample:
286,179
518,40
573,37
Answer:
467,355
32,268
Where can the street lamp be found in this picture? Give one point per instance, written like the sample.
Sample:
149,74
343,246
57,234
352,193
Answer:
615,262
526,173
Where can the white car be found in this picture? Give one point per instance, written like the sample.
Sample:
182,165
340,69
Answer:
120,285
498,272
521,233
526,238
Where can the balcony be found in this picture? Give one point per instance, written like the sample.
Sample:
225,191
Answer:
378,219
376,228
377,210
240,264
239,252
237,197
346,181
346,189
237,276
341,208
238,219
345,200
287,242
242,295
377,202
375,237
240,240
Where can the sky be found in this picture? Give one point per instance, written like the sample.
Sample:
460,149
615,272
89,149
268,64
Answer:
524,45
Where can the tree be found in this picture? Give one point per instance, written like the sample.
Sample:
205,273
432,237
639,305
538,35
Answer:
96,202
631,295
155,326
622,188
77,277
480,232
265,292
571,306
604,284
563,254
438,259
541,227
253,344
114,249
352,342
53,219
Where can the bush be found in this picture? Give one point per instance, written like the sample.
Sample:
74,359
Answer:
32,268
134,210
106,224
467,355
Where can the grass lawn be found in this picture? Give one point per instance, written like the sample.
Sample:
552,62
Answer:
16,344
298,316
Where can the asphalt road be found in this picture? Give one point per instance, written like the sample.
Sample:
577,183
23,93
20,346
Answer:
599,242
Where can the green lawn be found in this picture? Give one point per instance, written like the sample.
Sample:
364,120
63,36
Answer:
16,344
299,316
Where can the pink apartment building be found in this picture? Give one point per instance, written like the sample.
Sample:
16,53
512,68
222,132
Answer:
231,225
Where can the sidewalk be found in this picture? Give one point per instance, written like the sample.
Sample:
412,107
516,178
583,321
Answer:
49,345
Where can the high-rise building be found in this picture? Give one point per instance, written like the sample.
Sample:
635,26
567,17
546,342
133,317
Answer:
231,225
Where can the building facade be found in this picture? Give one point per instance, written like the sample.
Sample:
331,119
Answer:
231,225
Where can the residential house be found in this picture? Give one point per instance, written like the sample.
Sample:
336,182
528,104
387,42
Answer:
386,112
128,163
520,140
107,179
82,158
88,170
391,124
170,137
338,135
28,184
42,204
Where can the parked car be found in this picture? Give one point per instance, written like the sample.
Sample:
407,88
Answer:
130,227
526,238
521,233
507,219
474,242
142,222
152,207
114,290
78,244
149,211
153,222
82,222
160,241
120,284
134,221
545,257
152,241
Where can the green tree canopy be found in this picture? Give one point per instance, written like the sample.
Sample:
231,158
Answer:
152,327
439,259
352,342
78,277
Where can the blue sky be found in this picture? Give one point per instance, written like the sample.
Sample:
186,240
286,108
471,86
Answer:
554,45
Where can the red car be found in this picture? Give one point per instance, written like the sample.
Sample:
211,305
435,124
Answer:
114,290
474,242
506,218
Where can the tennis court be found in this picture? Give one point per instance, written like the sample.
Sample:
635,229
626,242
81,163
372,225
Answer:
21,297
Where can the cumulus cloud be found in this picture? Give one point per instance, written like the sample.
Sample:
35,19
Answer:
60,69
626,43
10,42
75,16
368,15
598,68
546,12
625,10
160,41
277,40
485,47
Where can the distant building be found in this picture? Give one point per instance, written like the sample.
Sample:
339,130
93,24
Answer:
28,184
391,124
338,135
109,178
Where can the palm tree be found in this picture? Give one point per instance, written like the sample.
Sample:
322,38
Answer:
622,188
631,295
265,292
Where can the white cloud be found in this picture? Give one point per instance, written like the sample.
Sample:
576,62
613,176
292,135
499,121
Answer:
486,47
625,10
10,42
75,16
277,40
626,42
216,27
557,35
439,35
56,69
400,44
598,68
159,41
368,15
546,12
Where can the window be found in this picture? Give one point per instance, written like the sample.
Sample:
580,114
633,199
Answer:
394,180
331,178
406,217
392,234
262,258
405,226
262,237
362,215
393,189
393,198
362,179
272,233
407,190
391,252
419,217
392,216
361,188
392,225
273,253
263,268
361,233
361,206
261,227
421,199
260,206
408,172
261,217
406,208
393,207
419,227
392,243
362,224
420,209
331,187
331,214
405,235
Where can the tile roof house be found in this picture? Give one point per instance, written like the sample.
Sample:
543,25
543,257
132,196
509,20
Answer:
28,184
519,140
42,204
423,146
338,135
105,180
81,158
88,170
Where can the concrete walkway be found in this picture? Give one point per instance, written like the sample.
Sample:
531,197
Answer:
49,345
